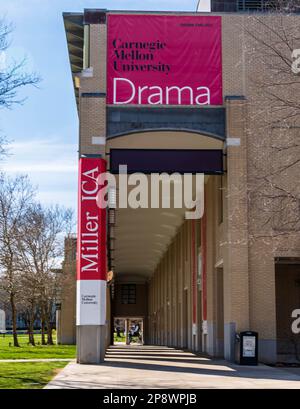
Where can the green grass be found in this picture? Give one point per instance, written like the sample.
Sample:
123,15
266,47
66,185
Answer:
29,352
27,375
119,339
123,339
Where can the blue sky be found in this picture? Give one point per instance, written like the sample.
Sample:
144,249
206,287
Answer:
44,131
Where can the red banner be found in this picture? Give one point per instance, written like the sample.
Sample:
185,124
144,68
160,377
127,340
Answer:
164,60
91,241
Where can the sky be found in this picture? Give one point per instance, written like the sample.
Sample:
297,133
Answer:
43,132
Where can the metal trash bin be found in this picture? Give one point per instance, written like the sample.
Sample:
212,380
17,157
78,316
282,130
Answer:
247,348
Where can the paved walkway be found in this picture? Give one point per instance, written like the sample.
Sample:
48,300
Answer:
143,367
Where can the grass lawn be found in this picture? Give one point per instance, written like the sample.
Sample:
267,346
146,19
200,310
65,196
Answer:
123,339
119,339
29,352
28,375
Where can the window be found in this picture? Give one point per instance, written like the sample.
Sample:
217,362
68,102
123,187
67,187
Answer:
128,294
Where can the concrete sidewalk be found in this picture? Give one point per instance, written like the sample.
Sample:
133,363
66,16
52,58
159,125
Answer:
144,367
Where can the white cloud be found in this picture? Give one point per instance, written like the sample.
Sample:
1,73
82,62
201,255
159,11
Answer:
51,166
67,199
44,155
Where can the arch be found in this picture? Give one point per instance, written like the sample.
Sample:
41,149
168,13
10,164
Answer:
166,138
167,129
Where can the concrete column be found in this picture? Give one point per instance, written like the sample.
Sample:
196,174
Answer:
92,101
176,292
127,331
90,344
92,339
188,284
236,270
263,297
58,326
210,265
91,276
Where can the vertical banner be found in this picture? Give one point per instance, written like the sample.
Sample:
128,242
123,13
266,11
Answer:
164,60
91,245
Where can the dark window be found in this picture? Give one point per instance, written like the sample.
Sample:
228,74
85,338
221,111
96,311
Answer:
128,294
209,161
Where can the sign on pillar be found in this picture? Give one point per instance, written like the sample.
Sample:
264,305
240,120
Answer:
91,245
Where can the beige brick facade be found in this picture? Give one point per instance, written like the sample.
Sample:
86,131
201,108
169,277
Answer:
66,315
242,248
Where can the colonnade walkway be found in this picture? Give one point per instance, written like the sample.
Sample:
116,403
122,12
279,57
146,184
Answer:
142,367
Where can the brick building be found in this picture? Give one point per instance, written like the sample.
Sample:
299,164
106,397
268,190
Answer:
196,283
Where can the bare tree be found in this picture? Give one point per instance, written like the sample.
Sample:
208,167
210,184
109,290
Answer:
286,6
16,195
13,77
26,305
40,248
275,88
272,47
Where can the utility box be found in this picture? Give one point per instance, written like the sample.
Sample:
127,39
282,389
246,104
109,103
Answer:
247,348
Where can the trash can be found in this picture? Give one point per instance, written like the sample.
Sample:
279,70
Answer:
247,351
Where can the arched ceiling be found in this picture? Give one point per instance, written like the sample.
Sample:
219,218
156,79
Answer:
164,140
142,236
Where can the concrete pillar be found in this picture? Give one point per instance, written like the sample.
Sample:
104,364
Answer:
92,339
210,265
67,312
92,101
176,286
236,270
127,328
263,297
90,344
58,326
91,275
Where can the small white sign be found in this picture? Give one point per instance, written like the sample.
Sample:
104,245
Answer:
204,328
233,141
91,302
98,140
249,347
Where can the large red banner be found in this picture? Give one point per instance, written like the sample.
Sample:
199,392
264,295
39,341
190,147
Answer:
91,242
91,245
164,60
